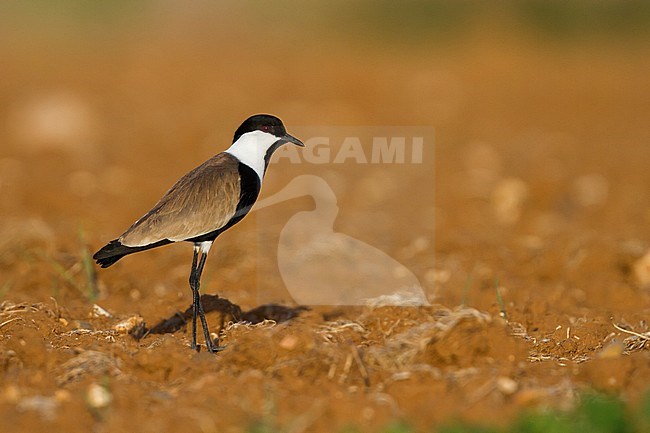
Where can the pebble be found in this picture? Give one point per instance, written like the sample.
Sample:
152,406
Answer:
98,397
127,325
289,342
612,350
507,386
46,407
508,199
98,311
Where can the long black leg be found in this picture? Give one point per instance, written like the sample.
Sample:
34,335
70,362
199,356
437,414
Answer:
194,281
204,323
198,306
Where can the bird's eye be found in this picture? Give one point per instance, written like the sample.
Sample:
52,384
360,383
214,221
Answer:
266,128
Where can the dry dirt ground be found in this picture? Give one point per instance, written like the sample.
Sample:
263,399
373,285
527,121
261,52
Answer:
528,233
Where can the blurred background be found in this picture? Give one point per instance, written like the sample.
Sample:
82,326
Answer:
540,110
537,185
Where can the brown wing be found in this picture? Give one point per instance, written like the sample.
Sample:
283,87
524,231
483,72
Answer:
202,201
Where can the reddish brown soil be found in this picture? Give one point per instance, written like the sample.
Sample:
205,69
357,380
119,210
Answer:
541,187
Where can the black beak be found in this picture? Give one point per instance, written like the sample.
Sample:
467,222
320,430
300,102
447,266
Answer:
291,139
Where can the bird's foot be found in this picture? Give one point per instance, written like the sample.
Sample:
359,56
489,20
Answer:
216,349
213,346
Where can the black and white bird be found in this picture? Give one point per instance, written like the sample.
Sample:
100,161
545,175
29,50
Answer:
206,202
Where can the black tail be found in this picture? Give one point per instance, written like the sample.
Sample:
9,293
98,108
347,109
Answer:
114,251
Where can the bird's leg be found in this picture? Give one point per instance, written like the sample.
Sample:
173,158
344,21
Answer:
194,285
210,346
201,253
206,331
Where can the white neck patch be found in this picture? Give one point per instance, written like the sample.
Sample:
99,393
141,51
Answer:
251,148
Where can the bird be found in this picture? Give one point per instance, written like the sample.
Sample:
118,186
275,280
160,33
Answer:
204,203
320,266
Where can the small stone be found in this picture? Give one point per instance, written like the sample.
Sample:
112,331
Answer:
98,397
127,325
613,350
45,406
135,295
507,386
98,311
289,342
62,395
508,199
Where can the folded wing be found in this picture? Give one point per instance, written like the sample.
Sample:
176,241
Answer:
202,201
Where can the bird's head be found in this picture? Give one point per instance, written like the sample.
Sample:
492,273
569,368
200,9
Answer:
257,138
266,127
